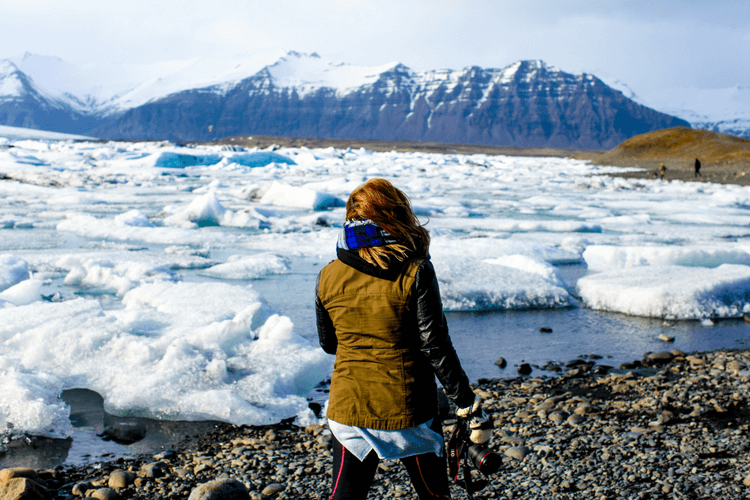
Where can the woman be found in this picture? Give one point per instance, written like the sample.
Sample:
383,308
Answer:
379,311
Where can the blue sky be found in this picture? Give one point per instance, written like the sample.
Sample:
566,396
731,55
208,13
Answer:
647,45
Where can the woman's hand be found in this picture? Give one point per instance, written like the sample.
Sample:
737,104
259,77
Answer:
480,425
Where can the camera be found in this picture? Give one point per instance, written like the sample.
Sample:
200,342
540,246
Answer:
477,455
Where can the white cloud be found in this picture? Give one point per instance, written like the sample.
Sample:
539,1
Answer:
647,45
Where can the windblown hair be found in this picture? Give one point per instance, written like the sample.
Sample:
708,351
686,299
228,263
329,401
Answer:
388,207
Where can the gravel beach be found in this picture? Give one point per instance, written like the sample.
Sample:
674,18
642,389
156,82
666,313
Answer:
671,425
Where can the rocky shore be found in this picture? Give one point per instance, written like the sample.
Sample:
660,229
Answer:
671,426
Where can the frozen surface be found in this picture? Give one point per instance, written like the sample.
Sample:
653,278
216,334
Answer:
603,258
13,270
670,292
186,291
248,267
7,132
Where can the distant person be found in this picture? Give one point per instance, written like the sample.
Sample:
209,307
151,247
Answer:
698,168
662,171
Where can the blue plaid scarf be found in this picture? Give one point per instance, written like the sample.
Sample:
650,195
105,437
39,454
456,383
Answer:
363,233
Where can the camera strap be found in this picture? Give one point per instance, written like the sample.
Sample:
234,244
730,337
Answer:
456,450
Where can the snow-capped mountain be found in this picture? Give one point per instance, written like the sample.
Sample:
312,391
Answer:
525,104
725,110
105,89
23,103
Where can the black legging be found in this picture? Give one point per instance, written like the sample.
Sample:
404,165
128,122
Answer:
352,478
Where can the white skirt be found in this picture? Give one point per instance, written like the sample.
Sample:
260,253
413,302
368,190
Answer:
401,443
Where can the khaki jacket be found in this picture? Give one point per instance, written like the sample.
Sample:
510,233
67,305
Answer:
390,340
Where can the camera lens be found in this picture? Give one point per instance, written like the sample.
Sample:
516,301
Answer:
484,459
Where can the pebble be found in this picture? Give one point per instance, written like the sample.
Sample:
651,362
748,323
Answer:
517,452
272,489
674,429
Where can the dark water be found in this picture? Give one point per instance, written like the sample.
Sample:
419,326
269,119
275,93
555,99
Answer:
480,338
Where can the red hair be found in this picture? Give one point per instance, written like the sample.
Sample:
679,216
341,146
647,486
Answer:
390,208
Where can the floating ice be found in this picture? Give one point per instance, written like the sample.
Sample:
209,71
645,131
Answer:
673,292
603,258
31,402
12,270
489,248
278,193
529,265
467,285
251,267
98,220
104,275
254,159
202,211
133,218
259,159
178,350
23,293
206,210
177,160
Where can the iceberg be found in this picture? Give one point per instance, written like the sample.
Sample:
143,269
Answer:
669,291
13,270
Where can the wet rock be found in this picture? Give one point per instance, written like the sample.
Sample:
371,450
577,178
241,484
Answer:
683,426
660,357
121,479
80,489
584,408
501,362
153,470
601,369
524,369
666,338
13,472
23,488
124,432
545,329
272,489
105,494
220,489
517,452
575,419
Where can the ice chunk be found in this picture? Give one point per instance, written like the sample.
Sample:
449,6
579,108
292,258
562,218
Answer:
178,160
133,218
529,265
177,351
470,285
23,293
107,276
278,193
605,257
674,292
489,248
248,267
31,403
206,210
259,159
12,270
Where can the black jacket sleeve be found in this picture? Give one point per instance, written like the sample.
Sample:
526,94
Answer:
326,331
434,340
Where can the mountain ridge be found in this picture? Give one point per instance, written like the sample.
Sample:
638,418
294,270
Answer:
527,103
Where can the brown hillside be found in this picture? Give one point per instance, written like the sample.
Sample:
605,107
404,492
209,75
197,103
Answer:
724,158
680,143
